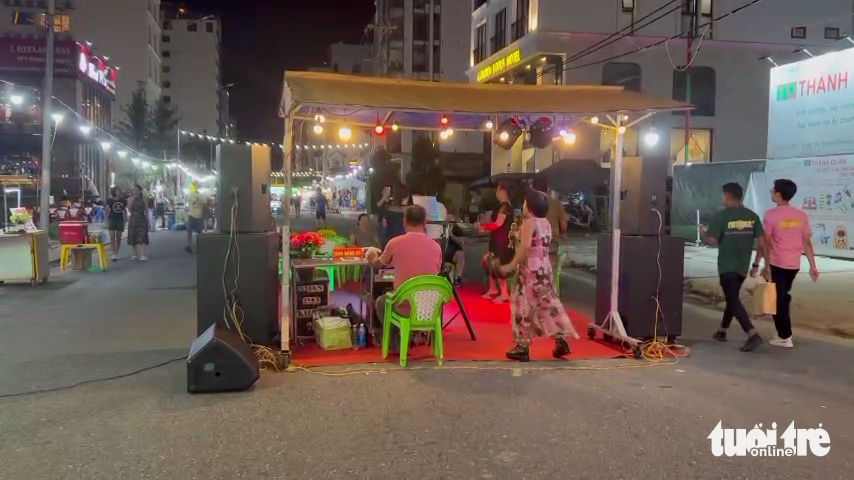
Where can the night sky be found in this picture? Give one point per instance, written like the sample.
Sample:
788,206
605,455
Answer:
263,38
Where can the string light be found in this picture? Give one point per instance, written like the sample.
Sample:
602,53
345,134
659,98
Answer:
394,126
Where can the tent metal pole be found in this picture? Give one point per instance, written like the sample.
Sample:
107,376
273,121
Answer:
287,165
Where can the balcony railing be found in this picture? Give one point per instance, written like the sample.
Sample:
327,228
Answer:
519,28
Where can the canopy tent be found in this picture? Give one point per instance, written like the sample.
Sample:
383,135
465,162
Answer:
567,176
414,104
360,101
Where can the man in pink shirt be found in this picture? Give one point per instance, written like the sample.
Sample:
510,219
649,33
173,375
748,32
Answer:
411,254
788,232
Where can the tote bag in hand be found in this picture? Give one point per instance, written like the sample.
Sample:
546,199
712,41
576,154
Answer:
765,299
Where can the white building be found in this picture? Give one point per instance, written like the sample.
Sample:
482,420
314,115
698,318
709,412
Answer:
127,32
425,40
535,42
191,74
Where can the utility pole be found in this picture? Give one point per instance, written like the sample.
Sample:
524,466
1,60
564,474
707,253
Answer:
47,119
692,33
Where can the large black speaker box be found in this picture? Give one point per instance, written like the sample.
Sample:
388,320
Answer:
644,188
638,282
219,361
244,175
255,257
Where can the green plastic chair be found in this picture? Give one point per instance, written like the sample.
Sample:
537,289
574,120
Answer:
426,294
562,254
336,274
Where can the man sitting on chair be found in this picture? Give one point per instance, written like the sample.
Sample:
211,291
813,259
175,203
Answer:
410,255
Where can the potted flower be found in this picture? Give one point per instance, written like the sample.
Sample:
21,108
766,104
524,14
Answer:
304,245
19,218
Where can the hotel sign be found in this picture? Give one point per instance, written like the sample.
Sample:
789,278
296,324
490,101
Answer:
499,65
96,70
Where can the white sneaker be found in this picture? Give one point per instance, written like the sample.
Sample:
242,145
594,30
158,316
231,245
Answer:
781,342
143,258
133,257
114,258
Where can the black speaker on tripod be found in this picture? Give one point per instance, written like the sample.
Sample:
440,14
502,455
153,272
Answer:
220,361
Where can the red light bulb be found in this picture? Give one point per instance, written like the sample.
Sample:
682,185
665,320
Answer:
379,129
444,120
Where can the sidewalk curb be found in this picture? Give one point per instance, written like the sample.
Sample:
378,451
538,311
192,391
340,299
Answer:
715,300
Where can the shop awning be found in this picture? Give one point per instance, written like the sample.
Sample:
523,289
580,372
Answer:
415,104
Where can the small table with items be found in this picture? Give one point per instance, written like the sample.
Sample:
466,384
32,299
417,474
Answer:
310,291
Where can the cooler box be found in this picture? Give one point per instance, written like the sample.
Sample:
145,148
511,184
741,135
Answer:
333,333
73,232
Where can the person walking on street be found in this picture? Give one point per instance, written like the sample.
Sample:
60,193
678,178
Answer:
788,231
138,224
196,205
734,230
320,205
117,216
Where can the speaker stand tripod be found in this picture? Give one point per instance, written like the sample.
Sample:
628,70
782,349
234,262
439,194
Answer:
461,310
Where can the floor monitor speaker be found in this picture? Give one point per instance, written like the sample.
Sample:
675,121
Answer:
244,177
220,361
640,263
644,189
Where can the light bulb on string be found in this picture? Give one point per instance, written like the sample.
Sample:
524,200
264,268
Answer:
594,119
106,146
85,129
344,133
379,129
16,99
504,136
57,118
318,128
489,125
621,129
394,126
444,120
568,136
651,137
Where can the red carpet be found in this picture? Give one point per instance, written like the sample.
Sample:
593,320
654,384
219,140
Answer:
491,324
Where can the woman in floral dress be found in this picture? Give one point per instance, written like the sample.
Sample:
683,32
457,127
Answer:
535,306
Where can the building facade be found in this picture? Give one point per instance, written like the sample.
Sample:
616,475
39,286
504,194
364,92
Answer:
84,86
560,42
424,40
125,32
191,80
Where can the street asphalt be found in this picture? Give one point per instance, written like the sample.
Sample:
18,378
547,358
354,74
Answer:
544,420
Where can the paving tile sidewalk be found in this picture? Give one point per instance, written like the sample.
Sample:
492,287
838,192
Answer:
822,305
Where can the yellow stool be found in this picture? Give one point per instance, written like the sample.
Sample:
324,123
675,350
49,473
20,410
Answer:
66,248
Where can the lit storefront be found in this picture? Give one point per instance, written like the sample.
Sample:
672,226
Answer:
84,85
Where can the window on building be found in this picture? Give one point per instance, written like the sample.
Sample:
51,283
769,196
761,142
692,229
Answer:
25,18
629,6
479,3
209,27
700,149
193,27
831,33
620,74
499,40
480,44
61,22
437,27
166,68
608,144
420,62
705,7
520,25
702,90
799,32
167,99
356,69
167,54
420,27
437,59
167,24
167,84
165,38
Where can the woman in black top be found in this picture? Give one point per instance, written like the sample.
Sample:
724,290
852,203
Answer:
499,244
116,208
138,224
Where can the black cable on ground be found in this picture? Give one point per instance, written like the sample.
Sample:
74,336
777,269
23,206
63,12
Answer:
96,380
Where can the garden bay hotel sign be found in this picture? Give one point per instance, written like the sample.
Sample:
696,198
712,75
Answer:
811,107
501,64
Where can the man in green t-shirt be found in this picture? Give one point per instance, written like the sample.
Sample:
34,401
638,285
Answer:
734,230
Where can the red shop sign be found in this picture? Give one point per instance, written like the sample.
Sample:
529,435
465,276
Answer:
27,54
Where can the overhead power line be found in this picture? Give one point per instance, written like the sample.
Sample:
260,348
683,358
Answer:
631,28
668,39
